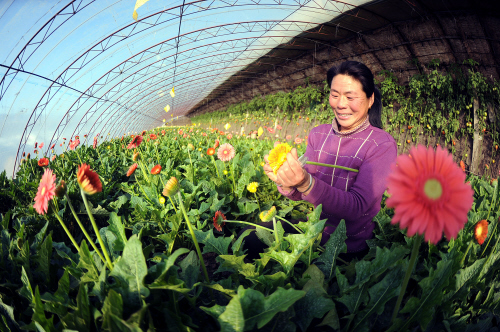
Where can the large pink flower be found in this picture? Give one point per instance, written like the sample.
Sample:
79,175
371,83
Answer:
46,191
429,194
226,152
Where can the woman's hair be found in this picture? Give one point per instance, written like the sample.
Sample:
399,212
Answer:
363,75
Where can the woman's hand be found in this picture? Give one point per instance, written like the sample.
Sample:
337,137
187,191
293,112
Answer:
290,174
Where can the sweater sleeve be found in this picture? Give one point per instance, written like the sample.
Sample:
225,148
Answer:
366,191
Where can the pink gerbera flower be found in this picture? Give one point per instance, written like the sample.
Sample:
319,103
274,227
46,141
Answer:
229,136
136,141
288,137
74,144
429,194
226,152
298,140
40,145
46,191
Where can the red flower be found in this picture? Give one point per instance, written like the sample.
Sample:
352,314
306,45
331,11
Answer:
143,133
210,151
428,194
88,180
216,144
156,169
46,191
52,146
132,169
36,144
136,141
43,162
219,221
163,132
153,136
229,136
185,135
180,132
481,231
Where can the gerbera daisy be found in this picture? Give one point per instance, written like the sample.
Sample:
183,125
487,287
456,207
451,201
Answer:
52,146
216,145
252,187
156,169
88,180
481,231
95,143
153,136
219,221
132,169
43,162
171,187
462,165
298,140
229,136
135,156
74,144
428,194
53,157
268,215
226,152
40,145
136,141
210,151
46,191
288,137
277,156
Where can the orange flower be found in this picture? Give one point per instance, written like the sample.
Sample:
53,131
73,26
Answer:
46,191
219,221
462,165
43,162
156,170
481,231
277,156
88,180
153,136
132,169
216,145
428,194
210,151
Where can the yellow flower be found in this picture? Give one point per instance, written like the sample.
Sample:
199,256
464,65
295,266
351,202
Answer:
262,164
252,187
162,200
277,156
225,172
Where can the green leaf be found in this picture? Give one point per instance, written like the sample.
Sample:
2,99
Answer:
237,244
39,237
190,269
331,319
422,309
250,308
130,271
39,315
112,311
164,266
244,179
219,245
26,290
237,264
466,278
333,247
59,301
43,257
382,292
118,229
79,320
353,299
316,302
87,262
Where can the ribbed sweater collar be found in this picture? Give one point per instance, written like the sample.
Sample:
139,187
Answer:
359,128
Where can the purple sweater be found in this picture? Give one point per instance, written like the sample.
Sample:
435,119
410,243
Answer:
354,197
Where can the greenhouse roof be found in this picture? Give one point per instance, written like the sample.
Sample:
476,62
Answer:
88,68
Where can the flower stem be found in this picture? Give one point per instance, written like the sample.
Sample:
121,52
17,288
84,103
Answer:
171,201
332,166
216,169
65,228
92,243
231,167
248,223
197,246
257,200
297,229
409,270
96,230
466,252
275,232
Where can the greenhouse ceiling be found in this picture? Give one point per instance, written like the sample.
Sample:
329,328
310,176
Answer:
91,68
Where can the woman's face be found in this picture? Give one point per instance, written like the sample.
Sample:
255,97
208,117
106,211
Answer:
349,101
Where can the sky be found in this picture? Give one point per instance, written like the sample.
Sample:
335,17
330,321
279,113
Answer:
117,73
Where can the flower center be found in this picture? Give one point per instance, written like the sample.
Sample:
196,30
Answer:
43,190
433,189
226,152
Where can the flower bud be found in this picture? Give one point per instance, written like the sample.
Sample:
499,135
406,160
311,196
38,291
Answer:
171,187
61,189
268,215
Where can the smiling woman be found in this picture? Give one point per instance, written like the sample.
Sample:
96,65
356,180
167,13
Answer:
355,139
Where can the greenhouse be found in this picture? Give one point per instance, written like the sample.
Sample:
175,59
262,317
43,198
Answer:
249,165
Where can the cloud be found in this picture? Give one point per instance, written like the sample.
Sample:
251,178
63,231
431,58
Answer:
9,166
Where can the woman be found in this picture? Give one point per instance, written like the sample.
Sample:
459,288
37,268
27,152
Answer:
355,139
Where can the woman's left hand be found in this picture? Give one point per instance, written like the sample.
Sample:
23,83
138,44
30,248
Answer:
291,173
